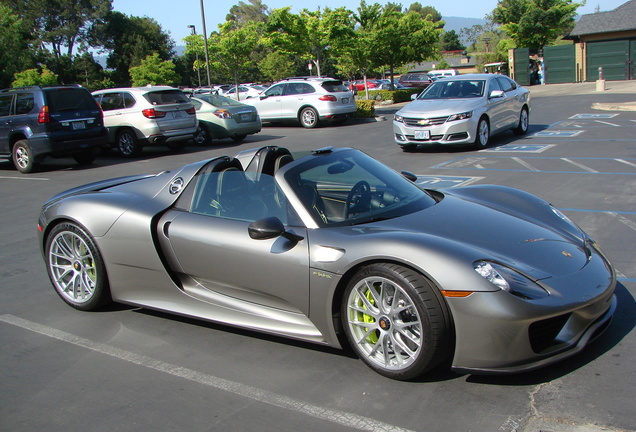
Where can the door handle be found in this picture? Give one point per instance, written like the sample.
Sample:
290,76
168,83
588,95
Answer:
166,230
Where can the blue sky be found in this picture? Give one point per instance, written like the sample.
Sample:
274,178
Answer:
175,16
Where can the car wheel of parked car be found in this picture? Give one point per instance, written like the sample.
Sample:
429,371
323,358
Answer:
309,117
524,120
76,267
396,321
127,144
408,148
176,145
85,157
22,157
239,138
202,136
483,133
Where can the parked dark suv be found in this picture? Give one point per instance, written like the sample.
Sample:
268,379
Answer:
41,121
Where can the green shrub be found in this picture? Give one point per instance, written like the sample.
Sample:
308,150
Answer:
396,96
366,108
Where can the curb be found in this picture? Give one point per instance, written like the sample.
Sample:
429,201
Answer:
624,106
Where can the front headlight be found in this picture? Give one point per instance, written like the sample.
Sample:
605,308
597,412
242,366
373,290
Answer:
460,116
398,118
509,280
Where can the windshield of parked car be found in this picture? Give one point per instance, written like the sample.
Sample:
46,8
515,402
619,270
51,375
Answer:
454,89
219,101
348,188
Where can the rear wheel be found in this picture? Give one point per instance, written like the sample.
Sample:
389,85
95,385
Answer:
22,157
396,321
239,138
127,144
76,267
202,136
86,157
524,120
309,117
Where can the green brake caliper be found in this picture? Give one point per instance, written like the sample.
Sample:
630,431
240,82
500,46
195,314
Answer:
373,337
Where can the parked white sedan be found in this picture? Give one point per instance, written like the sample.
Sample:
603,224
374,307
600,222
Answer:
461,110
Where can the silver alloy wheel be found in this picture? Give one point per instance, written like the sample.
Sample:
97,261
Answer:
309,117
72,267
126,144
22,157
384,323
483,133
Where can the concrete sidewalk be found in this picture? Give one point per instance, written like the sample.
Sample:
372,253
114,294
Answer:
611,87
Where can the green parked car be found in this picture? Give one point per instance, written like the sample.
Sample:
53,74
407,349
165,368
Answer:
221,117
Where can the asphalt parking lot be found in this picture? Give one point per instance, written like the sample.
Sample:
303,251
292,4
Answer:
132,369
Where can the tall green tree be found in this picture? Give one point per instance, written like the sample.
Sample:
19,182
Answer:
535,23
450,41
309,34
254,10
154,71
16,50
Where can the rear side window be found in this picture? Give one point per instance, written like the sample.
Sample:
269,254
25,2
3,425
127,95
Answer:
24,103
69,99
166,97
334,86
299,88
5,104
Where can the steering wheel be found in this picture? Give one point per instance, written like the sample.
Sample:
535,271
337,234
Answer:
359,197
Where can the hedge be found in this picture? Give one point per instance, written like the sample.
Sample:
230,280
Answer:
366,108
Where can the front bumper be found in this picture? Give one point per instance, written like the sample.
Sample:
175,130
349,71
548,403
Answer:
458,132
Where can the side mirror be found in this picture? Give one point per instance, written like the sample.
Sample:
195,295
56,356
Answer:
414,96
269,228
496,94
409,176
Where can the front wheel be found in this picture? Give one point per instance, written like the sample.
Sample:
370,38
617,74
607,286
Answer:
76,268
22,157
396,321
309,117
524,120
483,134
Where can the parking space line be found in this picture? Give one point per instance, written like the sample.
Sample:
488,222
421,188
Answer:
625,162
607,123
588,169
23,178
334,416
525,164
623,219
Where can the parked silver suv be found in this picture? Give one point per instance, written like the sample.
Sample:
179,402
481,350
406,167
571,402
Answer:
140,116
306,99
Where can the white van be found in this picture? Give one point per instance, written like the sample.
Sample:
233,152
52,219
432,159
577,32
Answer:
443,73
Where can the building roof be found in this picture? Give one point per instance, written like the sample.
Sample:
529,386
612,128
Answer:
620,19
453,62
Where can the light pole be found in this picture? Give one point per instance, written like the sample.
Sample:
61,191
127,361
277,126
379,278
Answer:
205,43
194,31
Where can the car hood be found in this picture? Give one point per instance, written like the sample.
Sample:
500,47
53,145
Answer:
535,248
439,107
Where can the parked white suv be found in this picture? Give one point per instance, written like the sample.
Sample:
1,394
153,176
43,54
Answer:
306,99
140,116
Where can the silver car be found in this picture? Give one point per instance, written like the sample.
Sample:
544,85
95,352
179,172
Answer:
221,117
307,100
337,249
141,116
463,110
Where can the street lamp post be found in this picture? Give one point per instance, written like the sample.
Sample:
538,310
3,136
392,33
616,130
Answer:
205,43
194,31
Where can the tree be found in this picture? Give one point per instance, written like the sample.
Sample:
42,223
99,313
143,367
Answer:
308,35
130,40
535,23
450,41
31,77
242,13
277,65
427,13
16,53
154,71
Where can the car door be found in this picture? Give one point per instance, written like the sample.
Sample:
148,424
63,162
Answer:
113,106
511,101
497,107
6,122
297,94
209,242
269,105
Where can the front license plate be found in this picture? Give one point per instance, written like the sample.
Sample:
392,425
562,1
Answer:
345,100
79,125
245,117
423,134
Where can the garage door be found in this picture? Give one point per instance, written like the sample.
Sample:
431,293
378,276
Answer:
521,62
612,56
560,64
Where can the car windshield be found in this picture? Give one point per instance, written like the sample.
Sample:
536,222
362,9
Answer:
348,188
219,100
454,89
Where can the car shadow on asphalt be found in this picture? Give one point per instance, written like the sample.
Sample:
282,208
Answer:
623,323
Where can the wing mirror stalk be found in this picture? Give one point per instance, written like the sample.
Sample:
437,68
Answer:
269,228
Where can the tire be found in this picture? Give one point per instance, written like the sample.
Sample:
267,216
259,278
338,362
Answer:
483,134
176,145
408,148
524,120
22,157
308,117
76,268
86,157
127,144
239,138
202,136
386,306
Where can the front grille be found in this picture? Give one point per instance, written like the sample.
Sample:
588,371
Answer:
543,333
417,122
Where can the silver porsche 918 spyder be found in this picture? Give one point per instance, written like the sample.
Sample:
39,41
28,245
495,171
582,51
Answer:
337,249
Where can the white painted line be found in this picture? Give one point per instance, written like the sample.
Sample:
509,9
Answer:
623,219
588,169
626,162
607,123
334,416
525,164
23,178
